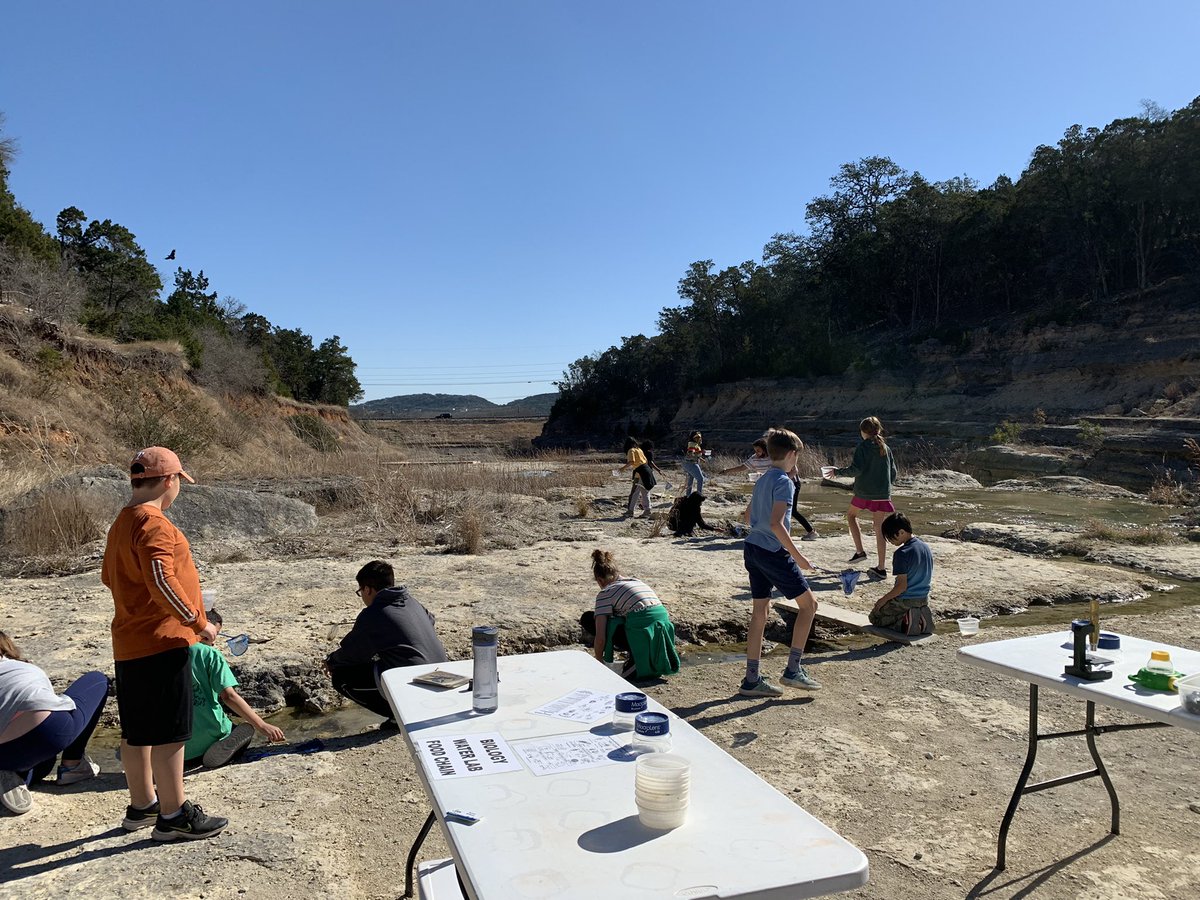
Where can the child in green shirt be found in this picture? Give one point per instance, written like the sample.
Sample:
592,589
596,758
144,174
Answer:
214,738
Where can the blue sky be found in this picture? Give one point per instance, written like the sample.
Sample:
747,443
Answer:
474,194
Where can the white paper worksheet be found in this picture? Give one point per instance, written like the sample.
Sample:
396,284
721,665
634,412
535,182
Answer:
579,706
568,752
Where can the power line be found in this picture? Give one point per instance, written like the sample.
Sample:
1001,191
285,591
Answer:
523,365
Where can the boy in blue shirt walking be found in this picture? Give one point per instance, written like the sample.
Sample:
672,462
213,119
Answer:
773,560
905,608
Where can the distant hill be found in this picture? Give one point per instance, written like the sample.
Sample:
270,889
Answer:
427,406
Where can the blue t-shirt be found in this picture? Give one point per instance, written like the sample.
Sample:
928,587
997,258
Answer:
914,559
772,487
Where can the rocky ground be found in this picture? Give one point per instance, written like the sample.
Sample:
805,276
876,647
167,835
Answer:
907,753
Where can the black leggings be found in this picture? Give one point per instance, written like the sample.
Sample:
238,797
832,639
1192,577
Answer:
796,514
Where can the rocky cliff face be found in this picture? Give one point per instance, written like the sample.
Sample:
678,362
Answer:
1132,371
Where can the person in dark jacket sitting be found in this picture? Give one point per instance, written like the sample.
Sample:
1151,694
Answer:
394,630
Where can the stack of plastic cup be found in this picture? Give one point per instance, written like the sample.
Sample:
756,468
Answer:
662,787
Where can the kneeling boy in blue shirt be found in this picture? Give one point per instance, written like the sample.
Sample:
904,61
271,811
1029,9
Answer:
905,608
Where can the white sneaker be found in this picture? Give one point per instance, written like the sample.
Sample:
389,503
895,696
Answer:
84,770
14,795
810,536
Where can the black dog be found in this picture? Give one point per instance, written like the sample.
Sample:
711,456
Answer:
685,517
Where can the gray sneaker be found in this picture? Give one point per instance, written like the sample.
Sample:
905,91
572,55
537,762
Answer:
800,681
760,688
810,536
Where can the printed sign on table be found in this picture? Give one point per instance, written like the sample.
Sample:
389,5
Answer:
472,754
579,706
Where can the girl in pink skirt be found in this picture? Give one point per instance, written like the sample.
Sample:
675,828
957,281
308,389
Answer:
873,469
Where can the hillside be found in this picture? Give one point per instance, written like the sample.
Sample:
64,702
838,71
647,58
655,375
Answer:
418,406
70,400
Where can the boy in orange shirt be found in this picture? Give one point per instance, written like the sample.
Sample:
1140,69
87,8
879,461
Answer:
148,567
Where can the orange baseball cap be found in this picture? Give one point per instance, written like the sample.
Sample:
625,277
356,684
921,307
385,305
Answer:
154,462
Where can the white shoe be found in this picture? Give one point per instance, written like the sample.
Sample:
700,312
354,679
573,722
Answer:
85,769
810,536
14,795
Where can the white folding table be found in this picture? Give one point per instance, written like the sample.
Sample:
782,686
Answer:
577,833
1041,660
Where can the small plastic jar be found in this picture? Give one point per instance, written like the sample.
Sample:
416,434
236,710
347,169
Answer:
1160,663
651,733
626,707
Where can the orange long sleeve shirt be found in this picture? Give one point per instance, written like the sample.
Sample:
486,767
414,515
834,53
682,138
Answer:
148,567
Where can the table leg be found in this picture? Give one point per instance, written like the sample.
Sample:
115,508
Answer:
1089,732
1030,757
1114,803
410,866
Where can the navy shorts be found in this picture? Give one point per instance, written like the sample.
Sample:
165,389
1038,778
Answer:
772,569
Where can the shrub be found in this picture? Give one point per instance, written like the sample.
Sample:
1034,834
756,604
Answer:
469,530
1007,433
179,419
229,365
1039,416
583,507
1091,435
315,432
1166,490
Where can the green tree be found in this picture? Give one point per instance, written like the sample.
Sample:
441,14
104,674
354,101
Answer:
331,375
123,287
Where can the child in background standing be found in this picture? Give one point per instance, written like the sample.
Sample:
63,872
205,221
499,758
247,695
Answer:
874,470
773,560
759,463
643,478
691,463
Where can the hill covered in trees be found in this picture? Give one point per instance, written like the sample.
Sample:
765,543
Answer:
415,406
93,272
890,261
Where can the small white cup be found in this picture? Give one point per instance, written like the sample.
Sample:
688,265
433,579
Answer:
210,599
968,625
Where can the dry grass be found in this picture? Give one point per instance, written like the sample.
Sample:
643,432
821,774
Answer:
60,522
1167,490
583,507
469,531
1145,535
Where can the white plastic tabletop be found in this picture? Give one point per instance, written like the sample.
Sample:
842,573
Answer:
1040,659
577,834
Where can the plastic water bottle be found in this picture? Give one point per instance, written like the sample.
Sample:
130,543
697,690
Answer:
485,681
626,708
651,733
